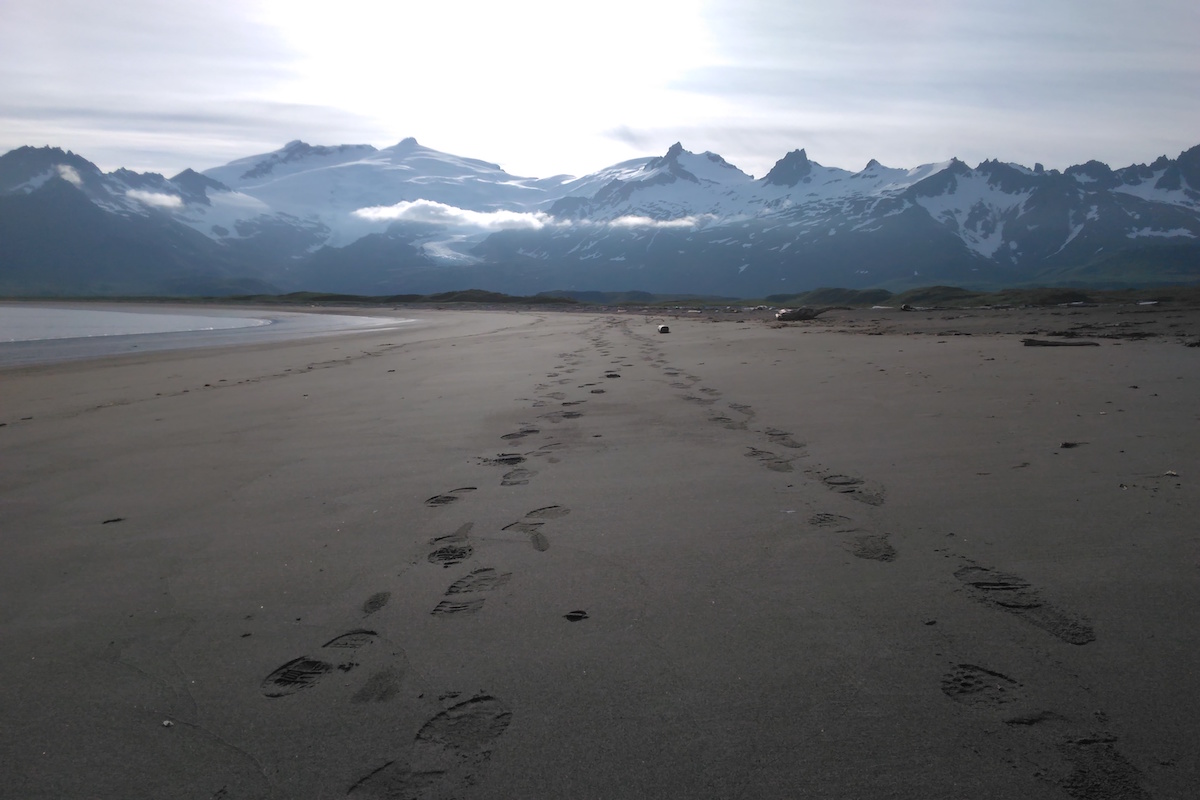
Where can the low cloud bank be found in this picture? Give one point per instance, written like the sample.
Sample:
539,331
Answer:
647,222
436,213
69,174
156,199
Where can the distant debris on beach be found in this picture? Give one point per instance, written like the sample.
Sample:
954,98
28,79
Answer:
1048,343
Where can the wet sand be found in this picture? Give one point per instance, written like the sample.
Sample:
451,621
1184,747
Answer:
560,555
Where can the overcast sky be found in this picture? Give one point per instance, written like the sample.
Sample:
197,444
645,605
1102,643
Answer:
554,86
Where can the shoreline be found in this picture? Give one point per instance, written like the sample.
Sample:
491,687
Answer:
280,325
529,553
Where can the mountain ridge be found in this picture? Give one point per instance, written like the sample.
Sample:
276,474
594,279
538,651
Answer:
408,218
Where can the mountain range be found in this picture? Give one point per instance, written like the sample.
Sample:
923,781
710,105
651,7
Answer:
410,219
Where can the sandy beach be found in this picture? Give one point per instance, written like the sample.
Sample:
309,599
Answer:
532,554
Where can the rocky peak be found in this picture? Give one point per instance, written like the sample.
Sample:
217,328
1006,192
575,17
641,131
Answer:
790,170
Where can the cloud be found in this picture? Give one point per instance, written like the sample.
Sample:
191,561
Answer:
69,174
156,199
435,213
633,221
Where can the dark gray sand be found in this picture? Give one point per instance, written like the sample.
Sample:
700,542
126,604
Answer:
440,562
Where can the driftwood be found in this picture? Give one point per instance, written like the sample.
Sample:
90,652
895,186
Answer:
1049,343
803,313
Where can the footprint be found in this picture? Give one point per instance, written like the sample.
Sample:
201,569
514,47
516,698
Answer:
481,580
523,527
873,546
743,409
380,687
306,672
976,686
502,460
351,641
521,433
782,438
546,450
837,481
533,529
1099,771
828,520
536,537
447,607
375,602
449,497
517,477
770,460
297,674
1016,596
853,486
447,756
452,549
548,512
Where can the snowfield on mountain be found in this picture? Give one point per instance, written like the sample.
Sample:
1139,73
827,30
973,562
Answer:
408,218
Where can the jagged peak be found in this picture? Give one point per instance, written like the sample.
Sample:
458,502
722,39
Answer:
1092,169
789,170
190,179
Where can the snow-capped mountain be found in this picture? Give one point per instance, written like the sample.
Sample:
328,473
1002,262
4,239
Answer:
408,218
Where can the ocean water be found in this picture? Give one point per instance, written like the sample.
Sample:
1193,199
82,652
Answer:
36,334
36,323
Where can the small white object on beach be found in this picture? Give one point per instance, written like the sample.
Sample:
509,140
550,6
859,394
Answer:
663,329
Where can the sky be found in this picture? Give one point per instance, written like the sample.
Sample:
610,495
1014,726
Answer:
546,87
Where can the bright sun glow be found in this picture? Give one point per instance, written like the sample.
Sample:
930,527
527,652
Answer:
476,64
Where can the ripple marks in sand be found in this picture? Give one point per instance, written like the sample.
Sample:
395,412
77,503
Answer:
447,756
306,672
1016,596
